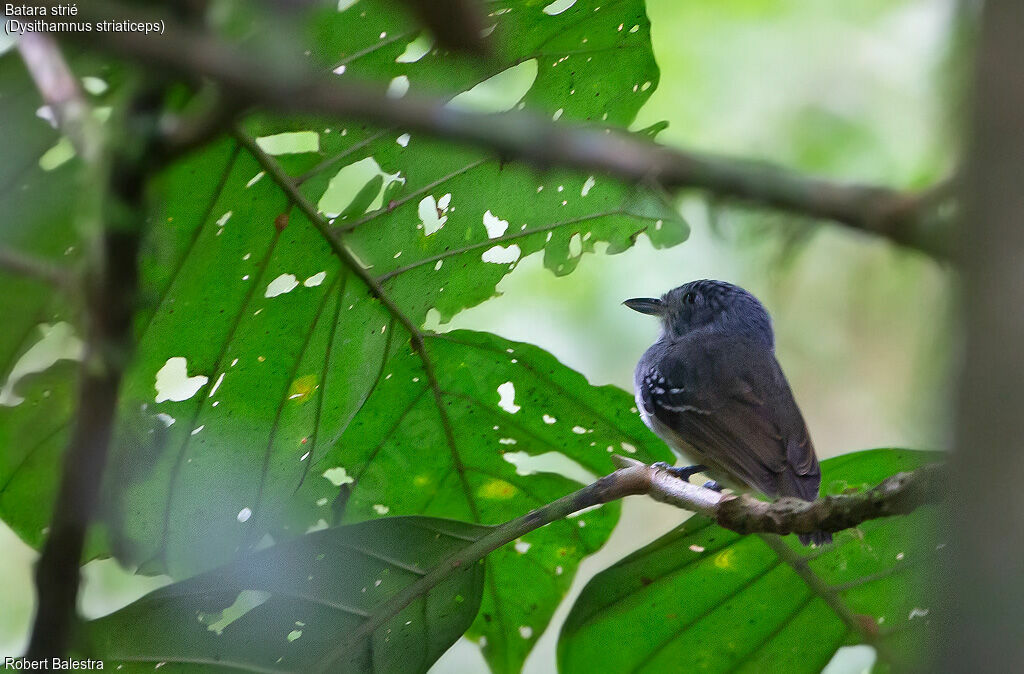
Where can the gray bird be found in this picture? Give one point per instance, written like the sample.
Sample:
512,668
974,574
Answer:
710,387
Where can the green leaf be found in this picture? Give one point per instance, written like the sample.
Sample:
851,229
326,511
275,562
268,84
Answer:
37,343
268,377
706,599
285,608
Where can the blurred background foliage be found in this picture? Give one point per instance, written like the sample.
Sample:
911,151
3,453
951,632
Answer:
860,91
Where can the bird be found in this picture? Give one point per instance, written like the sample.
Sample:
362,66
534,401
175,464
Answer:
711,388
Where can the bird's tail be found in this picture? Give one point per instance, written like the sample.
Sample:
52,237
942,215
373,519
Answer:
817,538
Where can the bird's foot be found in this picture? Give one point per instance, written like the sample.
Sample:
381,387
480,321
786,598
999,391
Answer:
682,472
713,486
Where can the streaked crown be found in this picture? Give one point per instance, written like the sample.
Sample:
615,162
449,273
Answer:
713,306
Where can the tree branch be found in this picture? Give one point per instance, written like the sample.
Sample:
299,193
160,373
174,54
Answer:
292,86
899,494
22,264
109,291
59,89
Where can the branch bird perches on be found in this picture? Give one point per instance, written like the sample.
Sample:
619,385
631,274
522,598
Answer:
897,495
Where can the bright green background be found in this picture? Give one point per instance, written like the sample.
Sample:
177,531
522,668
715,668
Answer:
852,90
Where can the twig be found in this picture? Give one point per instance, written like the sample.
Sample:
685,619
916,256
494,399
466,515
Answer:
109,293
828,594
292,86
59,89
23,264
899,494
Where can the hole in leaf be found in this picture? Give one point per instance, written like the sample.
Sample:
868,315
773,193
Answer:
549,462
246,601
416,49
56,342
558,6
495,225
498,93
357,188
507,397
292,142
285,283
501,254
173,382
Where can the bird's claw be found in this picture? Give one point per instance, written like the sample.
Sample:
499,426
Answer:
682,472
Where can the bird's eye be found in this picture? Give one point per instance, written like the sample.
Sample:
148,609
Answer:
689,298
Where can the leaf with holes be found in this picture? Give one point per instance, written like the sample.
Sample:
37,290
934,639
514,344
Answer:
707,599
269,374
285,342
281,380
308,601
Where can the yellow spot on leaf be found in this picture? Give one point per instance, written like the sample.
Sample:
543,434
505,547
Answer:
724,560
497,489
302,388
421,480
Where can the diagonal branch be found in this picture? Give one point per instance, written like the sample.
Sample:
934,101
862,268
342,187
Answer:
109,293
909,219
22,264
59,89
899,494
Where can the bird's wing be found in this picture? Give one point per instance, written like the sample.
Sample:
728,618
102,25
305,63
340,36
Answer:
732,404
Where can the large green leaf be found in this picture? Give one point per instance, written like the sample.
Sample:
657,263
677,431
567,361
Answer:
268,376
287,608
706,599
38,189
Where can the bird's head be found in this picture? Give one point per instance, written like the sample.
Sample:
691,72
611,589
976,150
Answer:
716,307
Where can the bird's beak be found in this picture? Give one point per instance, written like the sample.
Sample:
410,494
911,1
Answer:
651,306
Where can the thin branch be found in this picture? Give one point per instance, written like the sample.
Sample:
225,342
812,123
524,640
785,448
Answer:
828,594
109,291
59,89
899,494
22,264
292,86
